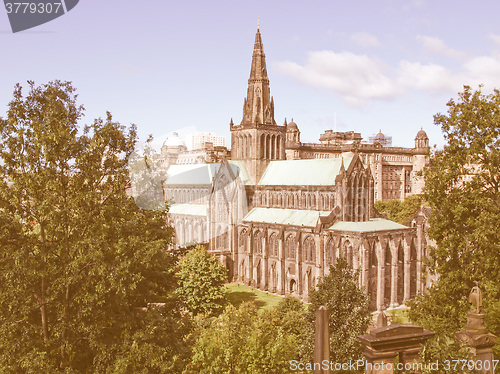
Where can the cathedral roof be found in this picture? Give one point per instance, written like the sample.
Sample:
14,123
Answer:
374,224
191,174
293,217
303,172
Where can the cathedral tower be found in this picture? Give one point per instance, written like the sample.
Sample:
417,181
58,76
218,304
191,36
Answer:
258,139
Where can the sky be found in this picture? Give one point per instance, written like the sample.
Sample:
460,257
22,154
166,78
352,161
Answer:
183,66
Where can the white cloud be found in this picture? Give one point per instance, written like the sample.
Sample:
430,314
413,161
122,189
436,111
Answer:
360,78
354,77
495,38
365,40
427,77
483,70
437,46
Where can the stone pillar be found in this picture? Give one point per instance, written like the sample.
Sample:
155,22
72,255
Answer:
249,271
281,261
366,264
407,279
394,273
321,341
321,257
420,244
419,259
475,335
235,249
355,198
265,259
298,262
380,275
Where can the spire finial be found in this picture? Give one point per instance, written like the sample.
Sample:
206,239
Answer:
258,22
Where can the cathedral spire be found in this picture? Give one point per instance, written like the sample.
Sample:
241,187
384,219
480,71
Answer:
258,70
258,108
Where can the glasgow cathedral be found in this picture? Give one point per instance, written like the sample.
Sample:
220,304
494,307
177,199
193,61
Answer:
278,212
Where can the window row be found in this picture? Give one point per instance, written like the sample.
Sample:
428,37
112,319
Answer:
295,200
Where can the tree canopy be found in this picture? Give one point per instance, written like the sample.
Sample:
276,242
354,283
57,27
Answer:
77,256
242,340
400,211
349,314
462,186
201,280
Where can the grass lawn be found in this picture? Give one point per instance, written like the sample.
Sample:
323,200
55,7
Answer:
239,293
400,313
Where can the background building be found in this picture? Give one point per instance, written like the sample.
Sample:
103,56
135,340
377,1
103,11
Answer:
175,152
385,140
197,140
396,170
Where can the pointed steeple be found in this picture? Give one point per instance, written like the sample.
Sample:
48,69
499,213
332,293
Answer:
258,70
258,107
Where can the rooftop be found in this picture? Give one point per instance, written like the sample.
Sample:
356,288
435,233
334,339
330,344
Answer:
293,217
303,172
374,224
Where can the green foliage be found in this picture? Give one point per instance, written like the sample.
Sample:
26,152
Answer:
201,282
441,352
241,340
391,208
155,345
77,257
349,315
397,317
400,211
462,186
492,320
442,309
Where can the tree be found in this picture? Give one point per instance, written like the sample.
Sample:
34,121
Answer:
400,211
462,186
201,282
77,256
242,340
349,314
391,208
221,345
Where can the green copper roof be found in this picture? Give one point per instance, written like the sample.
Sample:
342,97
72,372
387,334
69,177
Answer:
375,224
188,209
291,217
320,172
191,174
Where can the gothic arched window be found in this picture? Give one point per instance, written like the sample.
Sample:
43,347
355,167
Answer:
309,250
273,245
243,241
257,242
347,252
330,252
